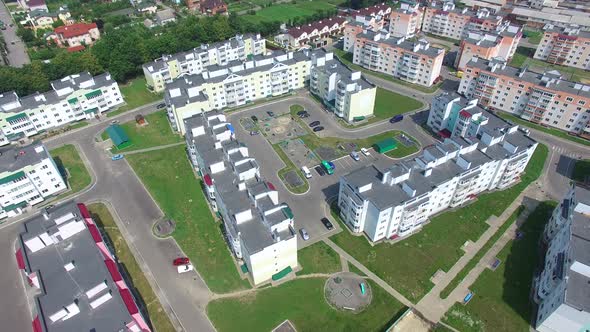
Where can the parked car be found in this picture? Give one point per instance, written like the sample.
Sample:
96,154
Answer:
271,114
254,132
304,115
396,118
327,224
354,155
332,165
318,128
304,234
306,172
320,170
314,124
161,105
254,118
180,261
365,151
300,113
114,121
117,157
185,268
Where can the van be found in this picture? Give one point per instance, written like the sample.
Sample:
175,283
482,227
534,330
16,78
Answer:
306,172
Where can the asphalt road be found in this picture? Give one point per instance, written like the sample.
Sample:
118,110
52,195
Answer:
17,53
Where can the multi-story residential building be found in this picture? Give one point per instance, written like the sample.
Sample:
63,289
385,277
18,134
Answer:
538,4
345,92
169,67
541,98
561,288
406,21
84,34
73,98
412,61
75,277
258,228
353,28
444,19
315,33
235,84
396,201
565,46
501,43
561,17
28,176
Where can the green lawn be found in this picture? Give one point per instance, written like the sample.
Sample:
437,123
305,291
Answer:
438,245
238,6
67,158
501,297
135,94
486,247
318,258
156,313
389,103
524,56
285,12
534,37
156,133
552,131
581,170
77,125
302,302
355,269
168,176
346,58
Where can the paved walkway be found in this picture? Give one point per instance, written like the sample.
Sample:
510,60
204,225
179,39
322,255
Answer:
159,147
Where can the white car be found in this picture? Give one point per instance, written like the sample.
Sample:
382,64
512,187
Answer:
185,268
304,234
365,151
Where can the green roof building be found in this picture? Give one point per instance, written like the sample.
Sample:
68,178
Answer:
385,145
118,136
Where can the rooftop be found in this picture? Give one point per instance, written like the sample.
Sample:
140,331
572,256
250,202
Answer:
13,159
578,278
421,46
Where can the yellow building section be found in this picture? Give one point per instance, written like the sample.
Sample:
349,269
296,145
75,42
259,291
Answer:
187,111
173,68
361,103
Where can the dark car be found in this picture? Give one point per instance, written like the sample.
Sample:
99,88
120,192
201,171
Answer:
162,105
180,261
327,224
318,128
254,132
300,113
270,113
320,170
315,123
305,115
396,118
254,118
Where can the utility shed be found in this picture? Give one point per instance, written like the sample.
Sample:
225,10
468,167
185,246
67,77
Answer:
385,145
118,136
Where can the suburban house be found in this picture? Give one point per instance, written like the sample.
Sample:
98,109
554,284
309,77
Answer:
213,7
29,5
165,16
193,5
77,34
315,33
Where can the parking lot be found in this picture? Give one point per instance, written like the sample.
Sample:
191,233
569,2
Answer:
311,206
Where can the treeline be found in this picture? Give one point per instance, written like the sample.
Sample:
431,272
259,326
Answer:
358,4
122,52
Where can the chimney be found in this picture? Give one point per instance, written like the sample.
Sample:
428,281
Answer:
427,172
385,177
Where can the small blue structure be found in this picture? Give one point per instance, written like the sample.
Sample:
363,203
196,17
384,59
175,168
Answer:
363,290
467,297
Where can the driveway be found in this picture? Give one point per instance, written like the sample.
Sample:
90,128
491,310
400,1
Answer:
17,53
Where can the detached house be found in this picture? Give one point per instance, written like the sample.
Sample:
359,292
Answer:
75,35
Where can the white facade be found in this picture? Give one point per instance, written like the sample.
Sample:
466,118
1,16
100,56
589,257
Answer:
560,289
568,46
169,67
258,228
406,21
397,201
28,176
73,98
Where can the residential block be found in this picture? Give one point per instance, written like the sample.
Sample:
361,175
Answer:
500,43
445,20
315,33
406,21
568,46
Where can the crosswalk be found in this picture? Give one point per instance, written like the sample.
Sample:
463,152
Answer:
565,152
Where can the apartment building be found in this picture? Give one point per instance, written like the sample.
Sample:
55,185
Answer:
28,176
393,201
445,20
235,84
568,46
354,28
544,98
538,4
315,33
561,288
258,228
406,20
73,98
412,61
75,277
169,67
501,43
78,34
346,93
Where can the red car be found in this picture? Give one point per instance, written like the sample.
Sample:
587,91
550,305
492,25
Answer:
180,261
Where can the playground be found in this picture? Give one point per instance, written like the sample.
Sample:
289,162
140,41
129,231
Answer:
348,291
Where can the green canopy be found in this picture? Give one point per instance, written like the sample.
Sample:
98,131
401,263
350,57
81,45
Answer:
117,135
282,273
385,145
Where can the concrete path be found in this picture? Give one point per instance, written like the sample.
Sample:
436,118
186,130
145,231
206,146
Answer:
159,147
344,264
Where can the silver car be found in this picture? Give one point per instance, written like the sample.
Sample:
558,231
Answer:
304,234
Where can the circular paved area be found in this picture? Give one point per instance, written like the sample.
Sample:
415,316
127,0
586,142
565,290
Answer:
343,291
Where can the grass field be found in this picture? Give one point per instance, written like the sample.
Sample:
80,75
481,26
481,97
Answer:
285,12
501,297
581,170
77,125
486,247
438,244
534,37
318,258
389,103
346,58
157,132
135,94
168,176
67,158
551,131
302,302
156,314
524,56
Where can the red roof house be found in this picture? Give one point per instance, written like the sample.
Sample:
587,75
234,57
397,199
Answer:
75,35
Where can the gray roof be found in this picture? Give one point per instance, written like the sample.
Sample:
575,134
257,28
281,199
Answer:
499,67
578,285
60,287
344,74
165,15
402,43
13,159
